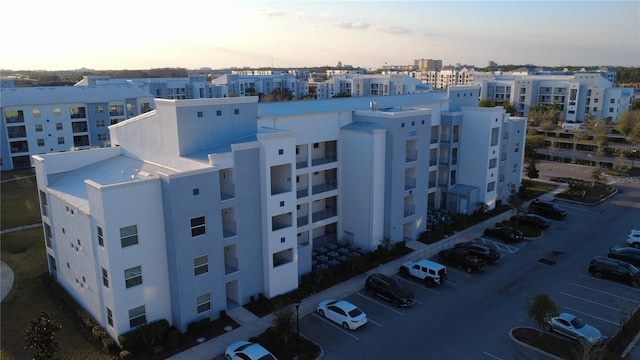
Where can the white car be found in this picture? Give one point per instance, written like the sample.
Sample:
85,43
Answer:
343,313
634,238
573,327
245,350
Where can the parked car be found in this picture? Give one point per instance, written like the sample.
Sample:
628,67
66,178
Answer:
487,251
342,313
625,253
429,271
245,350
634,238
547,209
618,270
533,220
389,289
573,327
463,259
506,233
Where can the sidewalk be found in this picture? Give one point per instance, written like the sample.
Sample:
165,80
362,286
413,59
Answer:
251,325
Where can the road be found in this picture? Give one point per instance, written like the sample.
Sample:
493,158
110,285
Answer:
471,315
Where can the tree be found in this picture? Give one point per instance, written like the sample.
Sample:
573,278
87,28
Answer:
516,201
532,171
283,322
595,175
541,307
532,144
486,102
627,121
39,337
278,95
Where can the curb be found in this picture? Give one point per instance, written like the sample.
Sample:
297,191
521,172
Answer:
533,348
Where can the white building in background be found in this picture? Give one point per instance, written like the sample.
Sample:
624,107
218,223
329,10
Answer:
191,87
368,85
38,120
203,204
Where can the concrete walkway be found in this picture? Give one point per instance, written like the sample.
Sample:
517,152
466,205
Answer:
6,280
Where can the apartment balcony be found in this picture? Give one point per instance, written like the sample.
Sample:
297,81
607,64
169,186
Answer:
281,221
16,132
409,183
324,159
324,214
409,210
227,191
432,183
411,156
231,265
327,186
229,229
302,192
433,162
19,147
301,162
303,220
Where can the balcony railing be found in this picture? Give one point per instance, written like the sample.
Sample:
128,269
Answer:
409,210
324,214
229,229
231,265
303,220
324,159
300,193
412,156
302,162
327,186
409,183
227,191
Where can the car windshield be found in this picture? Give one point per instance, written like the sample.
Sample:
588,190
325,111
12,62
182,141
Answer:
355,312
577,323
268,357
634,270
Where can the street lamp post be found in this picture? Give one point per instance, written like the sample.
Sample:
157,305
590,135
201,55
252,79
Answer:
297,304
633,157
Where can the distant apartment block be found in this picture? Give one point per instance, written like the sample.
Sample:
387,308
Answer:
202,204
38,120
191,87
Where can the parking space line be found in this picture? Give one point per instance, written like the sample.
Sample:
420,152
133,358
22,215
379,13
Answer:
336,326
375,323
589,315
501,247
455,270
606,292
491,356
617,284
590,301
379,303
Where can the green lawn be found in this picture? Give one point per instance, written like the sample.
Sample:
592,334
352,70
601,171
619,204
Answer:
20,204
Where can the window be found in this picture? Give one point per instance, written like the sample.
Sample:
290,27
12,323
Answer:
60,140
131,107
516,147
36,113
236,111
109,317
100,236
133,276
58,126
201,265
137,316
40,142
196,191
129,235
57,112
493,163
610,110
491,186
99,123
102,136
116,110
77,112
203,302
198,226
105,278
99,109
218,112
280,151
200,114
38,127
495,132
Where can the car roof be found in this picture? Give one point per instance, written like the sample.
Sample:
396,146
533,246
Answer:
625,250
567,316
345,305
383,277
429,263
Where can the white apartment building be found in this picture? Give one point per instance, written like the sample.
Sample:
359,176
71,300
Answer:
577,94
38,120
202,204
254,84
368,85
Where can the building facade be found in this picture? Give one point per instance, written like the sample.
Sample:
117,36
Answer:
203,204
38,120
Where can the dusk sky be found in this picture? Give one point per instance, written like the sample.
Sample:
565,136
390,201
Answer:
142,34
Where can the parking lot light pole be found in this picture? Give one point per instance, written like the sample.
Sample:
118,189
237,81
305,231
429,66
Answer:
633,157
297,304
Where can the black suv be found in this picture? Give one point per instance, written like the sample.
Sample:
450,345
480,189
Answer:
625,253
547,209
484,250
389,289
462,258
603,267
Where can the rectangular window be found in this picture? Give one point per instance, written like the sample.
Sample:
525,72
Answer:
99,109
491,186
109,317
137,316
200,114
99,123
201,265
57,112
58,126
131,107
203,302
102,137
493,163
236,111
495,132
38,127
198,226
48,235
36,113
129,235
100,236
516,147
133,276
77,112
14,116
60,140
105,278
40,142
116,110
218,112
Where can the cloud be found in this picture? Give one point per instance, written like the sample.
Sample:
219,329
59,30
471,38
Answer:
351,26
392,29
272,12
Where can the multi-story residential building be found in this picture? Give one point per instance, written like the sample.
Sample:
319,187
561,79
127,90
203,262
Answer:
368,85
427,64
205,203
250,85
576,94
37,120
191,87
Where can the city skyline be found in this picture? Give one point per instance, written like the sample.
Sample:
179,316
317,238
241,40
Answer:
70,35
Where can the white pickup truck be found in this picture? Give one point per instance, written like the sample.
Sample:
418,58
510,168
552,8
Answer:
431,272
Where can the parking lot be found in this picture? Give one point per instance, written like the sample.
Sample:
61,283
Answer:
470,315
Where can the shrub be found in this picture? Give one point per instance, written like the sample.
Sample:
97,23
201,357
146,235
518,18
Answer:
125,355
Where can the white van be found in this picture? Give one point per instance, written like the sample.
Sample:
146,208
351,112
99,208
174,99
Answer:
573,127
